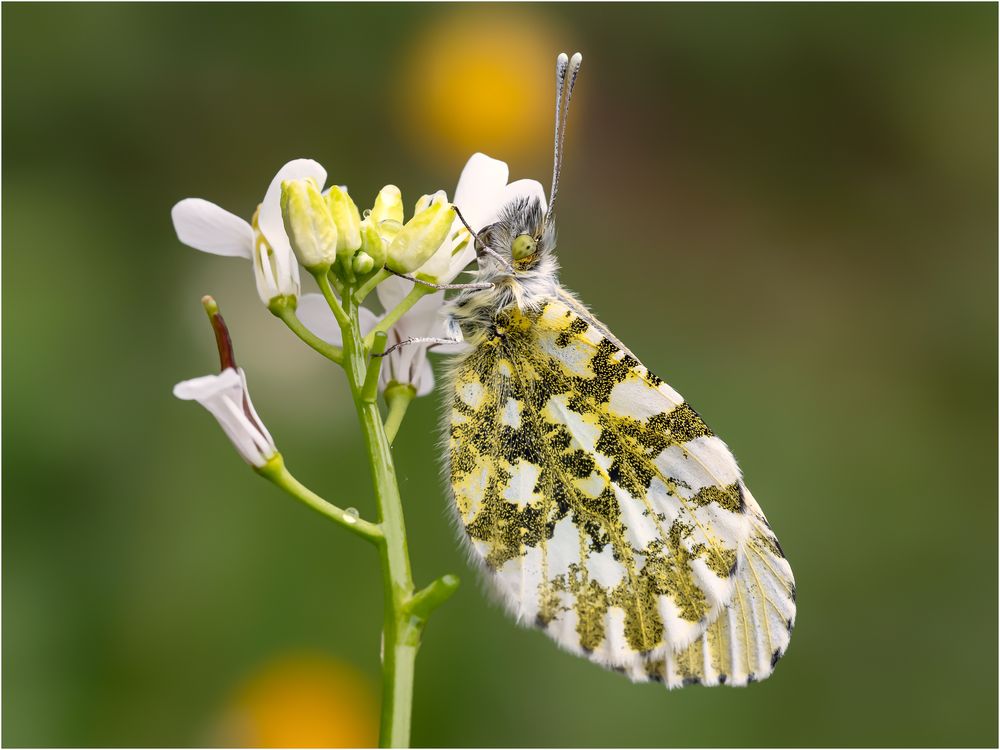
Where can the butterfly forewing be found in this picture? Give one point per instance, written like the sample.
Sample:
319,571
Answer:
606,510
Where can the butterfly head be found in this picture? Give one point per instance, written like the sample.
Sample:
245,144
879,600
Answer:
521,235
524,234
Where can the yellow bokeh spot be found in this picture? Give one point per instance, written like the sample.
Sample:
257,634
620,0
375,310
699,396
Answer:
480,79
301,700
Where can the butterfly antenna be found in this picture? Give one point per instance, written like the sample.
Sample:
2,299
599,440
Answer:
567,69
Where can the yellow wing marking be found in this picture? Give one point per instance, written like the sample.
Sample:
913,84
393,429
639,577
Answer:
617,540
558,327
639,370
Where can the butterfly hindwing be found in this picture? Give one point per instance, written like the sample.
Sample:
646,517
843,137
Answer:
607,511
744,643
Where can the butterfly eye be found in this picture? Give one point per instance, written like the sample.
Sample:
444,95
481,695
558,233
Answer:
524,246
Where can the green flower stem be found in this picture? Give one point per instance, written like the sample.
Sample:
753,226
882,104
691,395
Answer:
405,613
276,471
369,391
415,295
346,270
337,284
323,279
401,637
398,397
428,599
284,310
365,289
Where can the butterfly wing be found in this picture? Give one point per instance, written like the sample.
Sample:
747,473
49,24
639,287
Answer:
743,644
607,511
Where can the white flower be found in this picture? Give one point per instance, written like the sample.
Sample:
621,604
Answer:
481,193
408,364
225,395
211,229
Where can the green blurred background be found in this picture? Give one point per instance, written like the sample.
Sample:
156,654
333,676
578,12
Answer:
788,211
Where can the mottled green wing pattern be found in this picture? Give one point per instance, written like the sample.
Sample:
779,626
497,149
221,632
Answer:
744,643
605,508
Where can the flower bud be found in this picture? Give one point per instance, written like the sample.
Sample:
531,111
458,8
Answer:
362,263
372,243
449,260
348,220
420,238
427,200
310,226
387,214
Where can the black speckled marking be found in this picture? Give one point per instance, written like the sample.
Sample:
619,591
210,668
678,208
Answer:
576,326
509,362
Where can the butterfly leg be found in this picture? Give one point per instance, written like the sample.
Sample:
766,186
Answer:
432,341
451,327
439,286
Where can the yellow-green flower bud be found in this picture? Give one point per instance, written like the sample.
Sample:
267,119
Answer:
372,243
348,220
420,238
387,214
388,205
426,200
308,223
362,263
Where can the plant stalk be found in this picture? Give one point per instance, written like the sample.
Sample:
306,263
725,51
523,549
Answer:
401,633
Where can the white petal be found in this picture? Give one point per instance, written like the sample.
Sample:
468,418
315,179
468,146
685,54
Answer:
430,320
408,364
446,264
316,316
275,271
391,291
269,220
423,377
524,189
458,262
207,386
479,195
206,227
225,396
423,319
262,438
459,347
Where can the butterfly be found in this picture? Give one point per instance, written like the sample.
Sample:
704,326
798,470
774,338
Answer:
604,509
